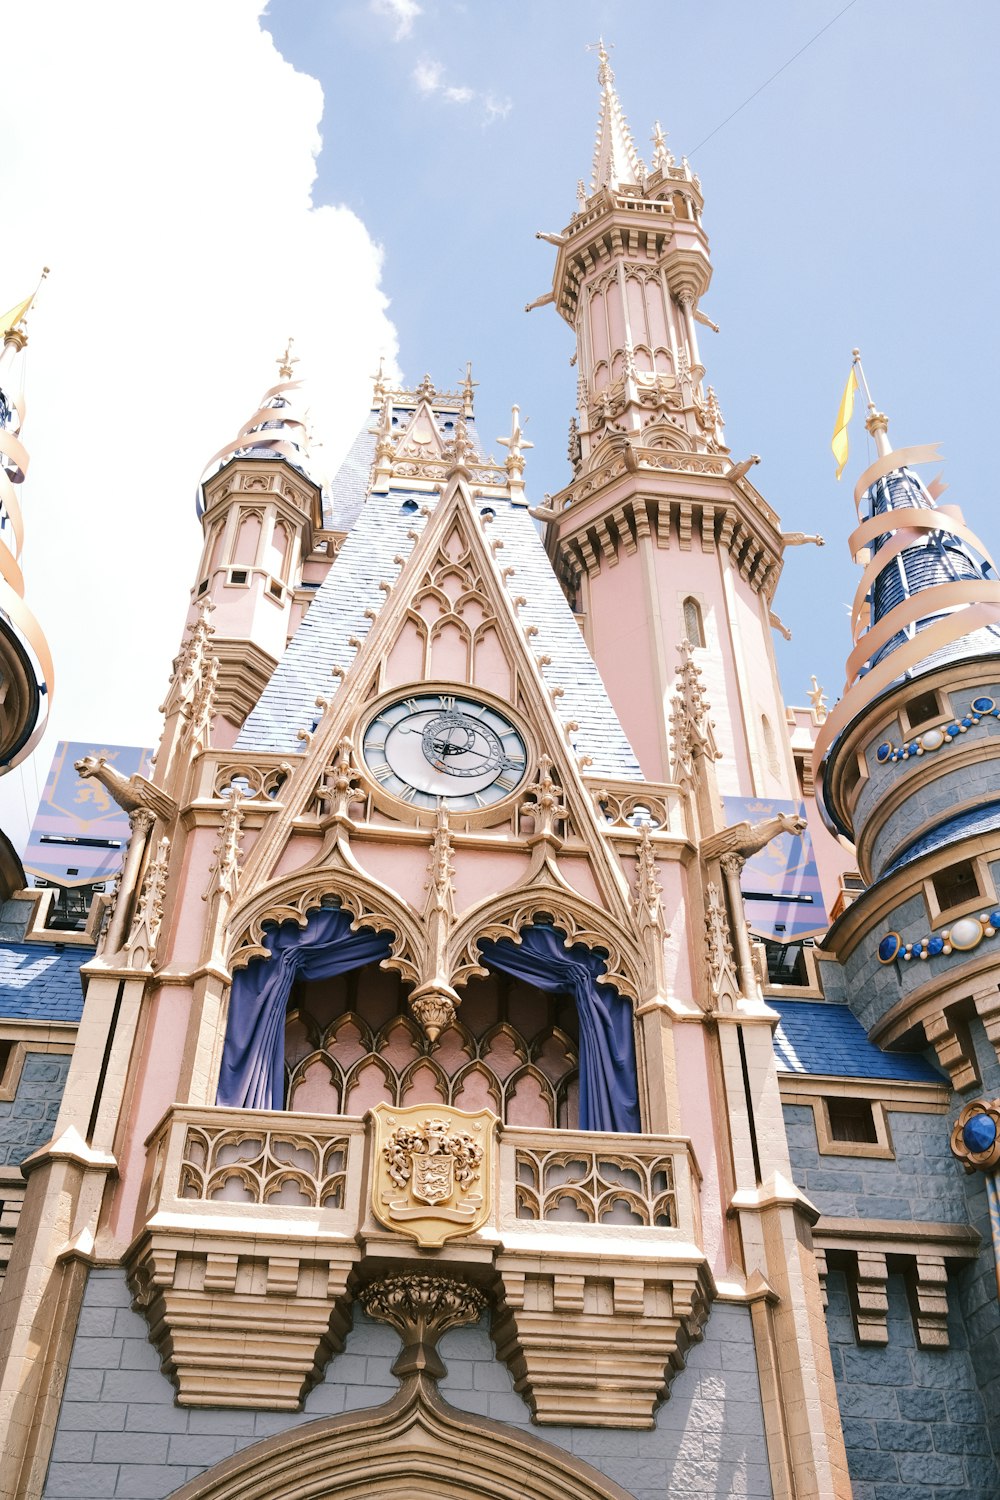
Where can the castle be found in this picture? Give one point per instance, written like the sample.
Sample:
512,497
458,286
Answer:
520,1056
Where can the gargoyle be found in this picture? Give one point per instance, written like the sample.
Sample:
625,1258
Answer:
747,839
130,792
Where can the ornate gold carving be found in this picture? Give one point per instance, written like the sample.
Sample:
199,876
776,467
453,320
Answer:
225,874
130,792
421,1307
434,1001
722,974
251,780
559,907
145,931
433,1173
691,730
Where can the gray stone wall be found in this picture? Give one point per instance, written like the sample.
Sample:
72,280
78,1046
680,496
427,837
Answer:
874,988
882,778
120,1434
924,1182
27,1120
977,1285
914,1420
936,801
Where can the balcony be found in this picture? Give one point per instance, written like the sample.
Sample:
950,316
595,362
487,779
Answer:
260,1227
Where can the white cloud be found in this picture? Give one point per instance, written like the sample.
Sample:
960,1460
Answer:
429,77
402,12
160,158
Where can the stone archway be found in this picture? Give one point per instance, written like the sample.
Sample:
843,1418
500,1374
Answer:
415,1447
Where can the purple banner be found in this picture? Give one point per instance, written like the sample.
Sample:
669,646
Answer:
781,888
79,834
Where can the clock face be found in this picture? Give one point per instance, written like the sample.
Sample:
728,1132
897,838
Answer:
436,747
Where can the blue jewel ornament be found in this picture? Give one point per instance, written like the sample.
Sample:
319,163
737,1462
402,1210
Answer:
983,705
883,752
889,947
994,920
952,730
979,1133
935,945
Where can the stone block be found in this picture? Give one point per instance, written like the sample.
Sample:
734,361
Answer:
922,1405
202,1449
931,1468
153,1418
904,1437
872,1463
137,1385
949,1438
204,1422
92,1416
97,1354
131,1448
81,1481
149,1481
73,1447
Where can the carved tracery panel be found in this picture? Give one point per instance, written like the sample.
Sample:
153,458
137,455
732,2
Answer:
351,1043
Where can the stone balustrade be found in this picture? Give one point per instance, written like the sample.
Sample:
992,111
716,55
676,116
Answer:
260,1227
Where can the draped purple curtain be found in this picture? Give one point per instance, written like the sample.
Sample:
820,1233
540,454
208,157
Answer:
608,1082
253,1056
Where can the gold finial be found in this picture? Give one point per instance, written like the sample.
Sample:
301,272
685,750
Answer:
662,158
817,700
605,77
378,391
468,389
876,422
287,360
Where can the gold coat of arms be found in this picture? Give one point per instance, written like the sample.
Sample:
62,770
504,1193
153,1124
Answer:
433,1170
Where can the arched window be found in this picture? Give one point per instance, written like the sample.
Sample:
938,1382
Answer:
694,626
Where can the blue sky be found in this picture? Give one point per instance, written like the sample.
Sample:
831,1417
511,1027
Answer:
853,202
369,175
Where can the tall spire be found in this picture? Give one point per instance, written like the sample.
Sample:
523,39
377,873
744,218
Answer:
615,157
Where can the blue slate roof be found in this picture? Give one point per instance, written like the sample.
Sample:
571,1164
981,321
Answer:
985,819
826,1039
935,559
343,500
41,983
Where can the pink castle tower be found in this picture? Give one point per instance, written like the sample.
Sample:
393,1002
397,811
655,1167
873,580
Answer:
435,1121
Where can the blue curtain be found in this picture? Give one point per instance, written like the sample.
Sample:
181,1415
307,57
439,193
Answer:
253,1056
608,1087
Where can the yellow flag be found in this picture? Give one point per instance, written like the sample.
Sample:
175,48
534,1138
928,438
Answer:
840,443
9,320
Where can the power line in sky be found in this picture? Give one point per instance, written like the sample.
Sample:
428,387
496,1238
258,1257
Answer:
763,86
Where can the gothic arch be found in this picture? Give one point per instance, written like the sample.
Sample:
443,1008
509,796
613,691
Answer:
294,897
505,915
404,1449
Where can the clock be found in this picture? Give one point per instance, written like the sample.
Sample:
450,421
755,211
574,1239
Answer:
434,748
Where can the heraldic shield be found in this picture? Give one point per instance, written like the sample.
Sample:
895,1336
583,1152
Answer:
433,1170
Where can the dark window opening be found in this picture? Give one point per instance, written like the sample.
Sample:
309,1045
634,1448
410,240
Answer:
6,1048
237,575
925,706
694,625
852,1120
786,962
71,904
956,885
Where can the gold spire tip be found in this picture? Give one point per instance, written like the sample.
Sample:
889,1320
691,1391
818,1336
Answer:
287,360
